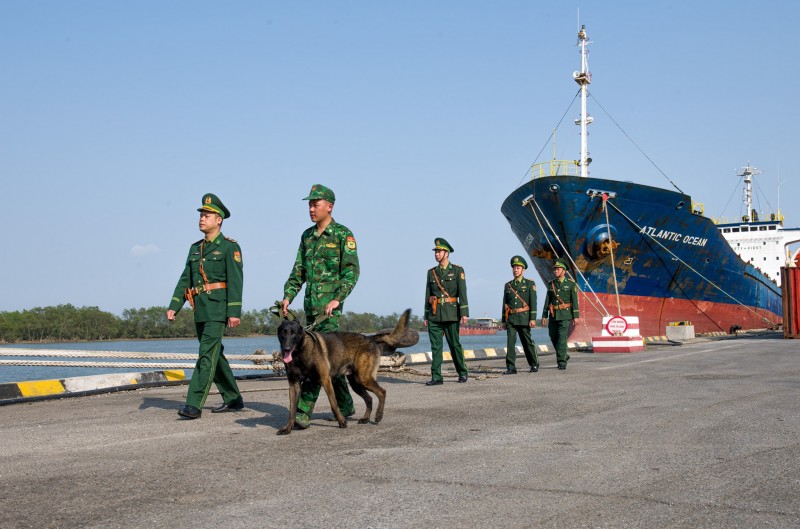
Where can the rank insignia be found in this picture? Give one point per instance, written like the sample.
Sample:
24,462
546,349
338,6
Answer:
237,256
462,276
351,242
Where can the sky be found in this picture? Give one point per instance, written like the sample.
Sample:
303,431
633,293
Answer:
422,116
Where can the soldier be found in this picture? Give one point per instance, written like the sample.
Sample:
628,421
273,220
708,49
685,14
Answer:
519,315
327,262
446,309
561,304
212,283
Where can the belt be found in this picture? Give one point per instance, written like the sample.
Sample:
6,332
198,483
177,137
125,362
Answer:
562,306
208,287
521,309
448,300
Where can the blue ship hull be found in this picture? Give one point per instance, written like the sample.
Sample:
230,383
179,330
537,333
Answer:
671,264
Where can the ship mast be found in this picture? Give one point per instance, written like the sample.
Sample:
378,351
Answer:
748,173
583,78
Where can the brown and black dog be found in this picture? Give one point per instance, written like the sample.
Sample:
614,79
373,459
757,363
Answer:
319,356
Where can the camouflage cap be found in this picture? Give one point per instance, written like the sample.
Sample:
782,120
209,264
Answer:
319,191
213,204
442,244
560,263
518,260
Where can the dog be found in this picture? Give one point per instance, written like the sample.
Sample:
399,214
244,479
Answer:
319,356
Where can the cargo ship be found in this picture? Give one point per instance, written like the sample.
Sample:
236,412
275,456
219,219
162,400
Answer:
480,326
643,251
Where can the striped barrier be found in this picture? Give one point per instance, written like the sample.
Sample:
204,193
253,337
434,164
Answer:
66,387
489,353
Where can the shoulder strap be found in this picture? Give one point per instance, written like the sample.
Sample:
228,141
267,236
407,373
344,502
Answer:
436,277
524,304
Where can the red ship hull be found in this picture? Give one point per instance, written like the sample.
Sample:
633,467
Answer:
656,313
472,330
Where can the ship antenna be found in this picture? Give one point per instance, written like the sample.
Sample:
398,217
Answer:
583,78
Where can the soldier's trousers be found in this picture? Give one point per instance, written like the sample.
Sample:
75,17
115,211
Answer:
450,331
559,332
309,390
524,332
211,366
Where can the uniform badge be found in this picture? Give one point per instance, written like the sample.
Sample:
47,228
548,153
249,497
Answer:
351,242
462,276
237,256
208,200
216,252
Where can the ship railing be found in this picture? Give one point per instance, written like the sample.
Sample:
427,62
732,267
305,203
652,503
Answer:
745,220
555,168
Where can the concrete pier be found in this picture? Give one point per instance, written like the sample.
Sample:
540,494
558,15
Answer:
706,434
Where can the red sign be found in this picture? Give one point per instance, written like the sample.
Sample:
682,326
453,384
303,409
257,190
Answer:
617,325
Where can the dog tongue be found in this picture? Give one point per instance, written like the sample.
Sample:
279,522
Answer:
287,357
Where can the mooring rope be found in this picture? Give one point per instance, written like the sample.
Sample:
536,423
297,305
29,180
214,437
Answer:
260,362
75,353
122,365
611,248
567,253
639,229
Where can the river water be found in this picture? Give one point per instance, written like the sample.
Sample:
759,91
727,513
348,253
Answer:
232,346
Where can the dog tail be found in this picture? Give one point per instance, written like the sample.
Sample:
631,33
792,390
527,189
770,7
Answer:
400,336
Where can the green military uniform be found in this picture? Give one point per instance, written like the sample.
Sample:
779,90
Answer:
214,270
561,307
448,287
328,264
519,309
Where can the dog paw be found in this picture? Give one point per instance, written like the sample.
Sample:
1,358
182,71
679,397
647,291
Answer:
343,424
363,421
284,431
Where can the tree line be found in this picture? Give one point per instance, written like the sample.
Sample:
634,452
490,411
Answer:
64,323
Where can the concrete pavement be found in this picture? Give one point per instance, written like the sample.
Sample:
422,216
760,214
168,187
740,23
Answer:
699,435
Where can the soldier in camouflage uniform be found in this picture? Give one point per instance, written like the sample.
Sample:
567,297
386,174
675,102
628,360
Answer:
519,315
446,308
327,262
561,304
212,282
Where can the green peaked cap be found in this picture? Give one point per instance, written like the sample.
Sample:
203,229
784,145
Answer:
442,244
561,264
212,203
319,191
518,260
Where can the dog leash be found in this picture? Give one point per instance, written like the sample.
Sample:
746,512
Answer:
277,310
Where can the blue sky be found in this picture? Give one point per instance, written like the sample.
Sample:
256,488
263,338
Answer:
421,115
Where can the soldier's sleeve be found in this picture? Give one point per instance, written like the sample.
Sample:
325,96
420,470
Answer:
532,300
575,300
505,302
427,310
184,282
297,276
348,266
463,304
234,272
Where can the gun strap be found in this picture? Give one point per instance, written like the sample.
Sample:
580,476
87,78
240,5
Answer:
436,277
525,306
200,264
